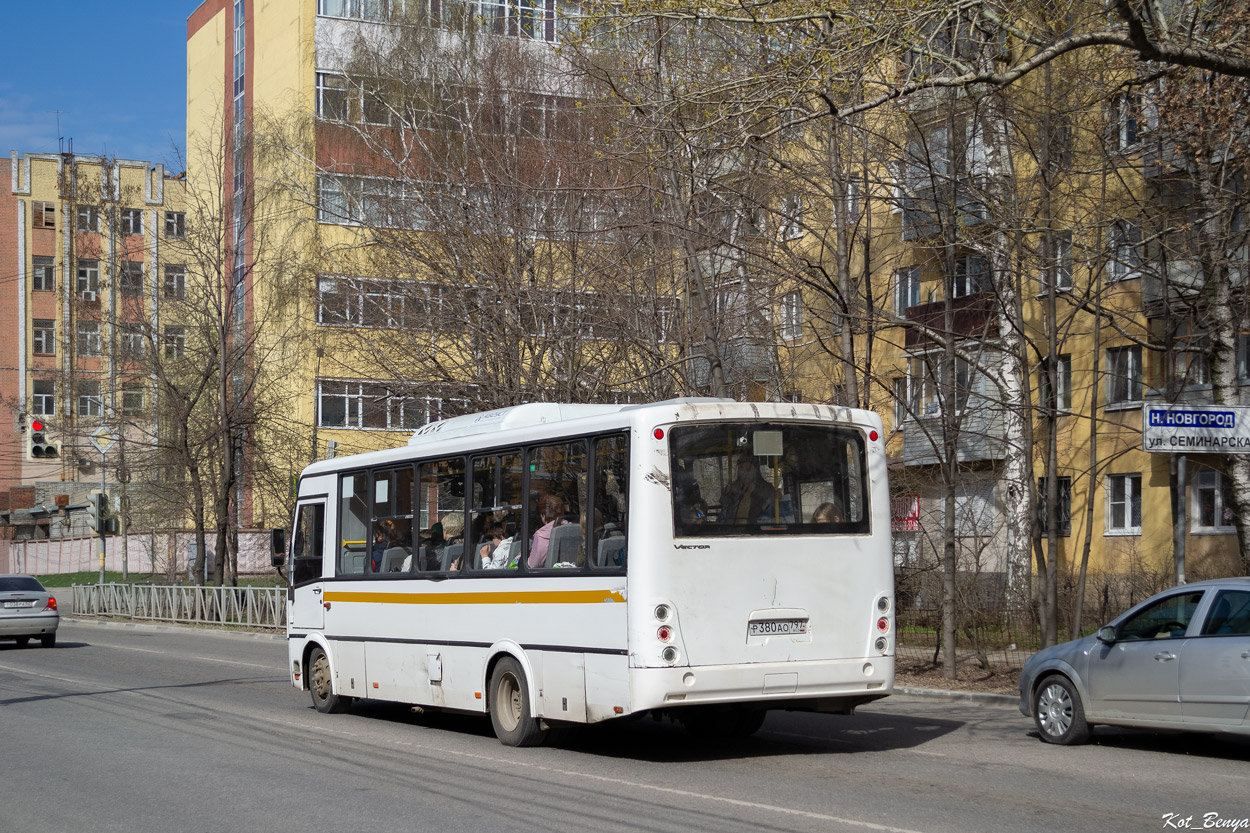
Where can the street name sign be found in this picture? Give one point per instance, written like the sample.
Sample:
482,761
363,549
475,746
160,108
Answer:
1196,429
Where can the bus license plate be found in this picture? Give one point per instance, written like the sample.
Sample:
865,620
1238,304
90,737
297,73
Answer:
776,627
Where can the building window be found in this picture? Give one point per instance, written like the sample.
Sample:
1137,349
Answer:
1060,264
132,221
1189,363
974,511
1122,120
88,277
1061,398
792,316
348,404
175,342
902,403
88,218
43,276
130,278
1213,508
792,217
43,214
88,338
175,281
333,205
972,275
1124,374
1124,504
1126,260
175,224
134,396
131,341
44,340
331,97
356,9
89,402
43,402
1064,514
906,289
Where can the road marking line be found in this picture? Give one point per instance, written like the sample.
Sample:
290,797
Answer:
512,766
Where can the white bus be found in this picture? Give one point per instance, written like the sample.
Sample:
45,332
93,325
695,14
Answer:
555,564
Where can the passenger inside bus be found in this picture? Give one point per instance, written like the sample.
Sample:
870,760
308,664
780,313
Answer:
551,511
748,496
827,513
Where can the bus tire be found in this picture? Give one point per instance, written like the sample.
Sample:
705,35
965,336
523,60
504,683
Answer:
509,703
321,684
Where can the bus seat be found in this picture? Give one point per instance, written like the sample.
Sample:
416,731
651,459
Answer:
610,551
450,553
352,561
393,559
563,545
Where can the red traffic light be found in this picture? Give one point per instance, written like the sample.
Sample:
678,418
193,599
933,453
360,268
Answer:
36,425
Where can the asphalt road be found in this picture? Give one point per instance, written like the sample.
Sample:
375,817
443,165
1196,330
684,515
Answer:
164,729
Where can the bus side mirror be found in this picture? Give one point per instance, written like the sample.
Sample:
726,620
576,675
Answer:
277,547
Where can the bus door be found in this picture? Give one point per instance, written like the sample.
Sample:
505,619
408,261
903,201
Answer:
307,546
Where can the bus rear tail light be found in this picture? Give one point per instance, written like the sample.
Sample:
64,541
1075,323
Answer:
51,605
883,604
662,612
669,655
881,644
883,625
664,634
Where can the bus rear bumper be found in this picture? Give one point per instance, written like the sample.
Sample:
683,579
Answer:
824,685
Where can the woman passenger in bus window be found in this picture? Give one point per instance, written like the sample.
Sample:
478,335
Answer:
827,513
551,511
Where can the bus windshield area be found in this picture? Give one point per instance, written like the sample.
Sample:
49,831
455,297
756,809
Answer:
768,479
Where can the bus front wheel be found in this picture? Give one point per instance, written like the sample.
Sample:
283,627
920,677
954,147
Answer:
509,703
321,684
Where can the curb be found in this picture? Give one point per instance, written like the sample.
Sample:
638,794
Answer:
980,697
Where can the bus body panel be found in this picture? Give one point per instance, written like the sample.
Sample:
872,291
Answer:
589,642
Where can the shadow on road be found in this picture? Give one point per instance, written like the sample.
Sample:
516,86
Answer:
645,738
1216,745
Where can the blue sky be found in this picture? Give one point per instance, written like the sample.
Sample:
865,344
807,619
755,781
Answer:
116,71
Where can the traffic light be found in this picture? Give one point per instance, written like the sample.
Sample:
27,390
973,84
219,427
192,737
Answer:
38,446
97,511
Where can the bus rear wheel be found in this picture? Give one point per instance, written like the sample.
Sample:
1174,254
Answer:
509,703
321,684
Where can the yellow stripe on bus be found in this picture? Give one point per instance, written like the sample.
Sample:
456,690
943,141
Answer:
525,597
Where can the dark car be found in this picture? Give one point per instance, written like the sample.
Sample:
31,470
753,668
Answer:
1178,661
27,610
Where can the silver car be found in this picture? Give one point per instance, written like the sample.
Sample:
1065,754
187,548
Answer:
1178,661
27,610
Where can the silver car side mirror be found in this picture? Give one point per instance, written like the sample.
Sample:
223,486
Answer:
1106,635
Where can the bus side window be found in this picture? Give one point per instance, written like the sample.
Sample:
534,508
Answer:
354,535
608,536
557,505
306,548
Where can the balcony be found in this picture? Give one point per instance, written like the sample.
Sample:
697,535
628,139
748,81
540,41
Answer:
979,434
975,316
921,211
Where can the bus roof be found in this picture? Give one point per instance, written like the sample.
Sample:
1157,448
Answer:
521,416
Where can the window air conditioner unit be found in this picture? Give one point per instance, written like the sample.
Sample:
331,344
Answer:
88,295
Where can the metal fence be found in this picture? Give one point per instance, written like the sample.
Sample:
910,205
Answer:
258,607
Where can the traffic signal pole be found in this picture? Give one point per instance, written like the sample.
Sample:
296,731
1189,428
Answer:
103,502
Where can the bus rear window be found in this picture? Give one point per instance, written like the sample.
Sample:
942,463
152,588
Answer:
767,479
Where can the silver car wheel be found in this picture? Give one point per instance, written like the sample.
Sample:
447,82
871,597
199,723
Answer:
1054,710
